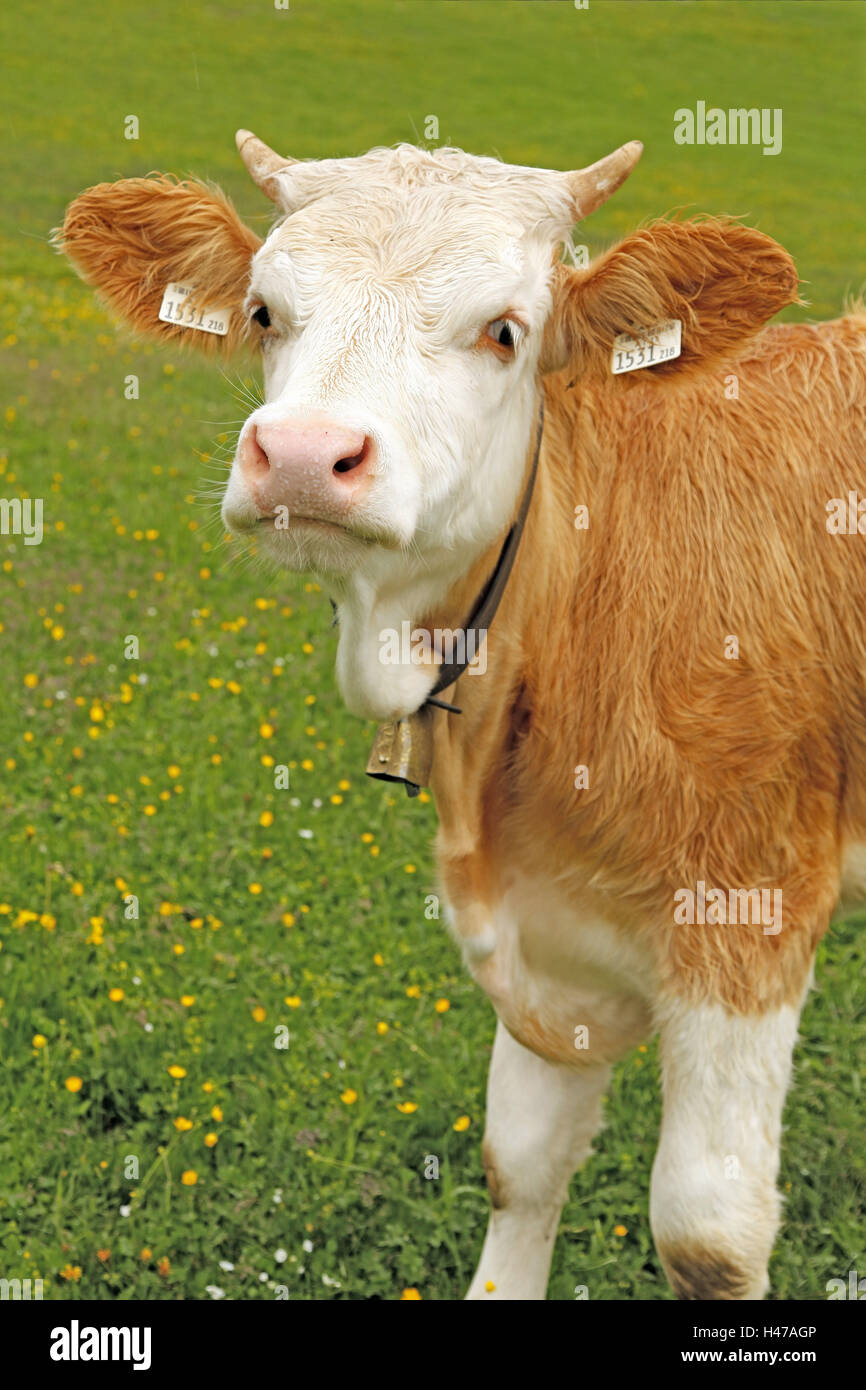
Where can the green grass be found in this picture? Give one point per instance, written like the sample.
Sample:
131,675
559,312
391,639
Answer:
339,923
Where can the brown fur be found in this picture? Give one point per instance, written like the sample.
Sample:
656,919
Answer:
494,1182
698,1275
132,238
707,518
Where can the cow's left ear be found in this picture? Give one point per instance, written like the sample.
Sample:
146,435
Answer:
132,239
722,280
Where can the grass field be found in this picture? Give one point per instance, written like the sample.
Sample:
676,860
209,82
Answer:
154,1141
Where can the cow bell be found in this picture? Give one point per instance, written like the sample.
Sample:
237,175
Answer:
403,751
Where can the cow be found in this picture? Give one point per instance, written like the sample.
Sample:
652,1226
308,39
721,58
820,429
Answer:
651,793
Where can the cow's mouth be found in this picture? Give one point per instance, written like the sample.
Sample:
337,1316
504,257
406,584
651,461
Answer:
295,518
326,527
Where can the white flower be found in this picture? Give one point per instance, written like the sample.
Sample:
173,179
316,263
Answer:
281,1256
136,979
308,1246
316,803
278,1195
124,1211
215,1291
227,1266
263,1278
330,1283
148,1027
306,834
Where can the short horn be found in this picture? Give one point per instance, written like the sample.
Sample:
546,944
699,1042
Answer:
593,186
262,162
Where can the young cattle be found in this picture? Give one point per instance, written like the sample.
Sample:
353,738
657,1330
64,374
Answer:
650,798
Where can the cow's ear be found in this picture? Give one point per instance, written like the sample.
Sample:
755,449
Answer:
720,279
131,239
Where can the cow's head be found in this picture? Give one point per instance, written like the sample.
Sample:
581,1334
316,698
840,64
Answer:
401,303
404,304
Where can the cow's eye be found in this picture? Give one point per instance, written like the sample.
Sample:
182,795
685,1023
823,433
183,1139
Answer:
262,317
503,335
500,331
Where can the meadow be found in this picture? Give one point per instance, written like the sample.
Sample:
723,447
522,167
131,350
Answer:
233,1029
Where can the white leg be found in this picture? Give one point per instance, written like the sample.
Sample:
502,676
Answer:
714,1207
541,1117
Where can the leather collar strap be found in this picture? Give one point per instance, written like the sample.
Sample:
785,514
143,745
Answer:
488,600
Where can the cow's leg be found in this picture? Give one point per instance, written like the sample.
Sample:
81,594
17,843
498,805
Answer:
714,1207
541,1117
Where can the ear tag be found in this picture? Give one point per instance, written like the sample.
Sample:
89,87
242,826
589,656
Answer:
176,309
659,344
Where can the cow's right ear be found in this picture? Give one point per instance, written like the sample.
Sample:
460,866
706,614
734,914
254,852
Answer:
131,239
722,280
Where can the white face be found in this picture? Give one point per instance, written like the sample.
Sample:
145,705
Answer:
415,317
401,323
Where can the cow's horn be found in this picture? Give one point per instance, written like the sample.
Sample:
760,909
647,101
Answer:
593,186
262,162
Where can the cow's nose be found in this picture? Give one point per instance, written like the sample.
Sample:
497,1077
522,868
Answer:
312,466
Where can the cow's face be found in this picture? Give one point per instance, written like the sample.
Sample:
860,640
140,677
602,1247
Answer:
400,307
399,348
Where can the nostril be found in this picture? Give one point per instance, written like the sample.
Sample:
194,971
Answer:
347,465
254,461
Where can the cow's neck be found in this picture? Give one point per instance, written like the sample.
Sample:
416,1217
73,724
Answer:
394,623
470,748
515,657
378,619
